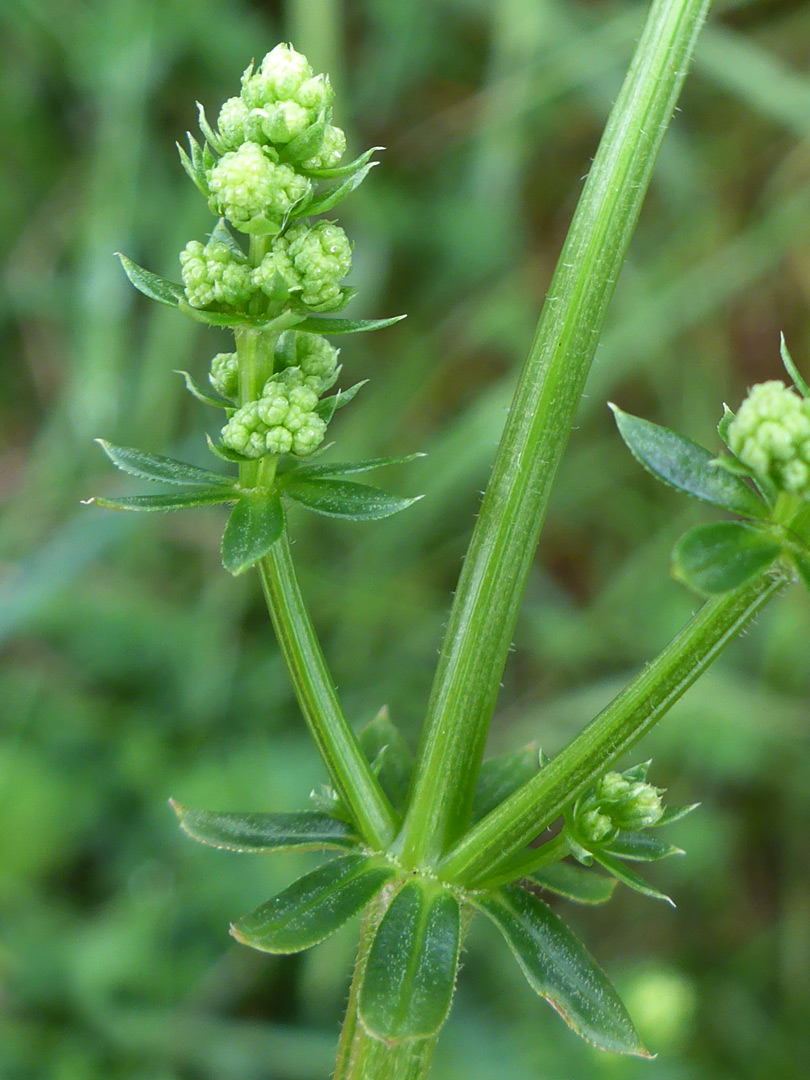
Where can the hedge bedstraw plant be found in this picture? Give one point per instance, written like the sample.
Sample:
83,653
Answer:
421,845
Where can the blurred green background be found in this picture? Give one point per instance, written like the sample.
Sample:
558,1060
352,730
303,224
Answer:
134,668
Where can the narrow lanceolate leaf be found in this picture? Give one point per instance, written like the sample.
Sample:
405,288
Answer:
501,775
674,813
559,968
330,198
640,847
237,319
342,170
716,558
390,756
152,285
265,832
315,325
313,907
629,877
202,395
346,468
327,406
574,883
305,145
224,453
411,968
162,469
223,235
254,525
344,499
180,500
686,465
800,383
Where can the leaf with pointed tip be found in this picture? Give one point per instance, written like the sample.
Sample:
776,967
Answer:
197,392
725,423
197,178
254,525
316,325
731,465
629,877
345,499
719,557
313,907
640,847
800,383
500,776
346,468
674,813
637,772
223,235
390,756
161,469
332,196
180,500
328,406
558,967
237,319
686,466
342,170
264,832
152,285
574,883
209,133
410,972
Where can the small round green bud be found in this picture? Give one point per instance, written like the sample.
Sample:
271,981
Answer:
332,150
309,436
281,73
283,420
250,190
315,95
224,374
311,355
612,788
594,826
214,274
322,256
248,434
639,810
771,435
282,122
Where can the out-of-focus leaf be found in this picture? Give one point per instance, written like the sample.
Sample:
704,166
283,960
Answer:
410,973
152,285
716,558
313,907
559,968
501,775
204,396
800,383
390,756
331,197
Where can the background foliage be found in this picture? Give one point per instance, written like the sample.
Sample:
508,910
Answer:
134,668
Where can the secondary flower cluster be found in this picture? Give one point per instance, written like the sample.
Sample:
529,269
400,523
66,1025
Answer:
285,417
619,802
771,435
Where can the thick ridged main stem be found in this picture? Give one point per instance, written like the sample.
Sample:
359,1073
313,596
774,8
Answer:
492,581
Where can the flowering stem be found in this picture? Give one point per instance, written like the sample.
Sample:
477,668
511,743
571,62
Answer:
347,765
487,599
491,845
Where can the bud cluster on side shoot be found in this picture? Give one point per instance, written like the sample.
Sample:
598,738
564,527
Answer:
771,435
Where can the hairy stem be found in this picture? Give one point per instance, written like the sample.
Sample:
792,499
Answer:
492,581
347,765
488,849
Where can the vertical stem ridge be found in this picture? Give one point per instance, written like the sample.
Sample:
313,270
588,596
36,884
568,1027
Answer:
492,580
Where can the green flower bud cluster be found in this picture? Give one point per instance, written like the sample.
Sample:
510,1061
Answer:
281,102
309,261
284,420
308,357
771,435
617,802
213,274
254,192
224,375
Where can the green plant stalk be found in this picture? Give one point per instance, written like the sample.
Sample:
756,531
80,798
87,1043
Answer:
487,852
527,862
492,581
344,759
